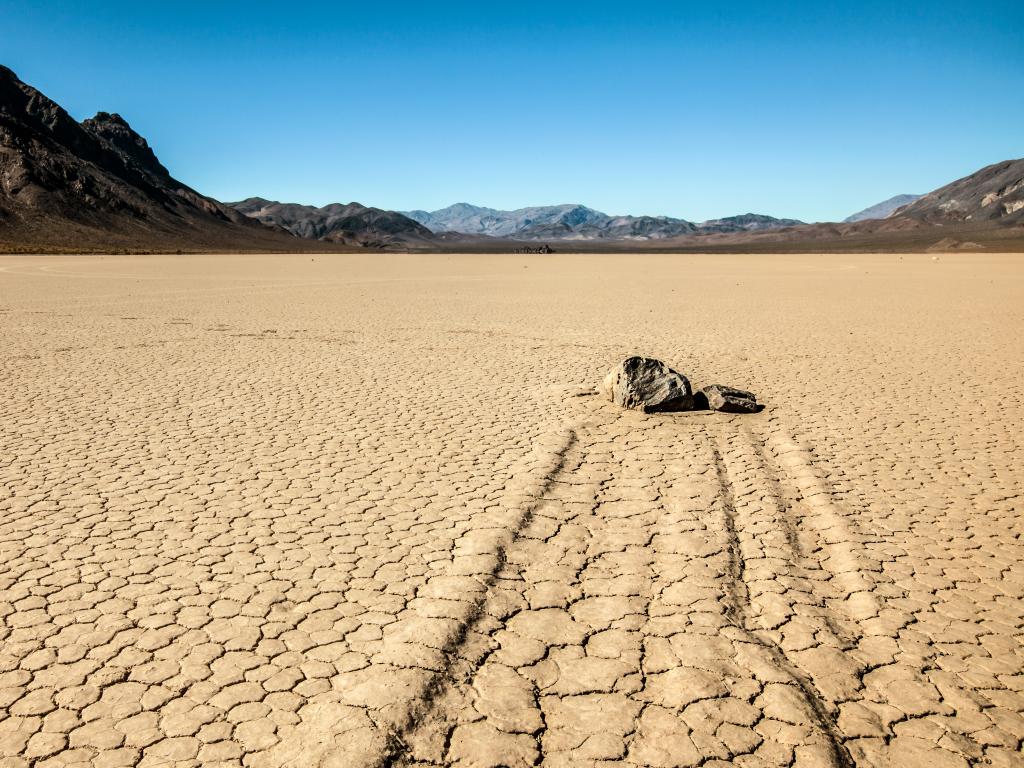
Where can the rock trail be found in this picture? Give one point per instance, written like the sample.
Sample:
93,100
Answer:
628,593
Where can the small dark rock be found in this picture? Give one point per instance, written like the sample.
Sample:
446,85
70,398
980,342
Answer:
719,397
648,385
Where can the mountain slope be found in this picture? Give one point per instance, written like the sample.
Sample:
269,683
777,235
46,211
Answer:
994,195
97,184
881,210
351,224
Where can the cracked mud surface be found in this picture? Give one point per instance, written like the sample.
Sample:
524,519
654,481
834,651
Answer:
276,511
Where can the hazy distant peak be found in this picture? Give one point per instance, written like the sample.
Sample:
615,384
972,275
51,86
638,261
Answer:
883,209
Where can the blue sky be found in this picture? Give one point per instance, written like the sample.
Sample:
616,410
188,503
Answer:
697,110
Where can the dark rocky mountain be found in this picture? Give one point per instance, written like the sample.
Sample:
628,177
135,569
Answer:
881,210
577,222
347,224
993,195
608,228
746,222
98,184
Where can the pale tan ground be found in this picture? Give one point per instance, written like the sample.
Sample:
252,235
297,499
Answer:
347,511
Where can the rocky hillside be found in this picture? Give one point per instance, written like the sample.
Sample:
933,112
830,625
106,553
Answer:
608,228
577,222
347,224
97,185
746,222
995,195
881,210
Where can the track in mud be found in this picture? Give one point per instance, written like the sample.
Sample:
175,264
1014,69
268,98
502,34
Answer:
655,604
664,594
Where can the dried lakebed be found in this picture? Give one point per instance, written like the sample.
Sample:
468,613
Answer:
346,511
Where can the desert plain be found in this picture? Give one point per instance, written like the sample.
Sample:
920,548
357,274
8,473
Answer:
362,510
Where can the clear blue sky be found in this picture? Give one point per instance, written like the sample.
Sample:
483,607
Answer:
698,110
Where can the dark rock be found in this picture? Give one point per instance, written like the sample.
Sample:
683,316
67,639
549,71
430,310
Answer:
648,385
722,398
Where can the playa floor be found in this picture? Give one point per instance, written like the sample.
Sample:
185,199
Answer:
353,510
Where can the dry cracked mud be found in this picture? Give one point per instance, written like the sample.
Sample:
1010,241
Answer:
349,511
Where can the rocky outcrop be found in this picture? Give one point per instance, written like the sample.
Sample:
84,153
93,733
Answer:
719,397
648,385
993,194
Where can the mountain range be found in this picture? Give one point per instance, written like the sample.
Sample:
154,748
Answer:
98,185
577,222
348,224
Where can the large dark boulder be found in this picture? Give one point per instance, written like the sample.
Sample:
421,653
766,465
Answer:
648,385
728,399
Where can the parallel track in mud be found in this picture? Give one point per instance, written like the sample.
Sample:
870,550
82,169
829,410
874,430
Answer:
606,578
446,726
397,746
739,607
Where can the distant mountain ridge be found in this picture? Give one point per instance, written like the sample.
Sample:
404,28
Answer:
881,210
578,222
347,224
746,222
490,222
